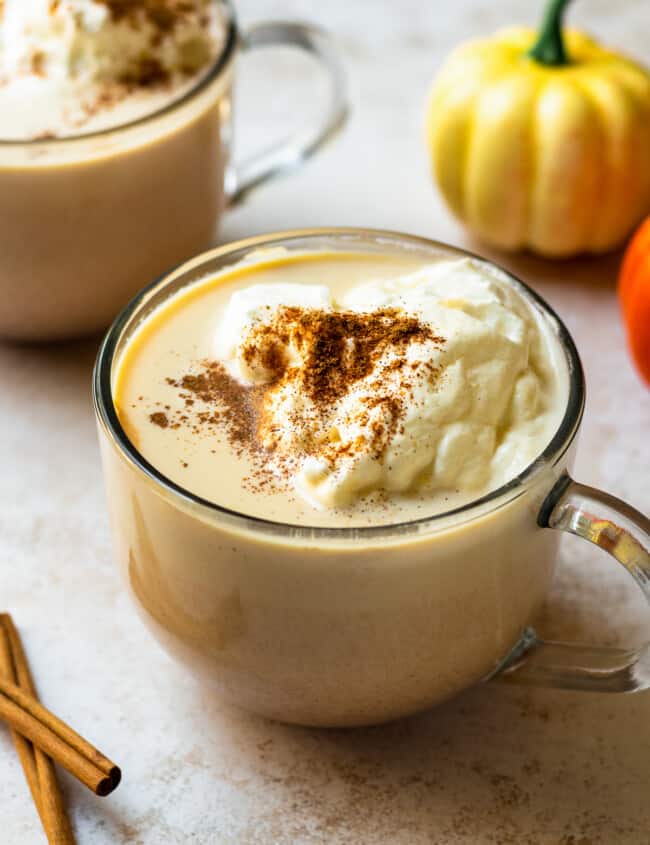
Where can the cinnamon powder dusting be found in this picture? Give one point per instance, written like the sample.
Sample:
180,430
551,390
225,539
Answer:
337,347
162,18
159,418
233,405
163,15
320,356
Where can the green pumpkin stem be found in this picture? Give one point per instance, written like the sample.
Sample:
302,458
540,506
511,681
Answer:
549,47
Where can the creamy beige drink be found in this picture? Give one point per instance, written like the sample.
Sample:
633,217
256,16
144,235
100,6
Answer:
302,447
339,390
91,210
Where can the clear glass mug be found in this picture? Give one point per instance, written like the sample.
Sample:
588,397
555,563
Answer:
88,220
356,626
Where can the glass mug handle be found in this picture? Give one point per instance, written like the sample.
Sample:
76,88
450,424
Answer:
623,532
242,177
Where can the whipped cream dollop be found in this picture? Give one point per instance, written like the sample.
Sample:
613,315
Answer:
61,60
437,380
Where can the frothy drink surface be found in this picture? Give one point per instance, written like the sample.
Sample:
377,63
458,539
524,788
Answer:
343,389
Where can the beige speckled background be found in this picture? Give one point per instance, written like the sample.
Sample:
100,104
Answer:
496,766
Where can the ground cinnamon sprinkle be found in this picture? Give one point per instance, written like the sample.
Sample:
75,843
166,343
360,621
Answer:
160,419
239,405
320,355
337,347
163,14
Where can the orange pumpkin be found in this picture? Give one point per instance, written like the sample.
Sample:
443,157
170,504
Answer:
634,294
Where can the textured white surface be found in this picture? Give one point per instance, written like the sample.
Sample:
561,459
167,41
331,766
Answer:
497,765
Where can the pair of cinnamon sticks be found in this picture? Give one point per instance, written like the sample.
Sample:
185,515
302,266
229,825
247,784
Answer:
41,738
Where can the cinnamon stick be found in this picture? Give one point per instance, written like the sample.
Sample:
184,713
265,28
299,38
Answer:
38,767
23,746
27,715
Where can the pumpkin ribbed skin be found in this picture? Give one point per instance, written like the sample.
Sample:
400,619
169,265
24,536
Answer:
552,159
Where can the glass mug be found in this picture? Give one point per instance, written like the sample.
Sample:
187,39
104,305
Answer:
87,219
353,626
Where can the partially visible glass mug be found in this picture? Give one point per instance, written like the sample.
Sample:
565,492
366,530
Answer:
352,626
86,221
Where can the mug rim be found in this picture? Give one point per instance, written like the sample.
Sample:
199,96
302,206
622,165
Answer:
218,66
107,416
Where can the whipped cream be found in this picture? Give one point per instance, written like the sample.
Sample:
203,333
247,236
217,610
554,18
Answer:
460,404
256,304
62,60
